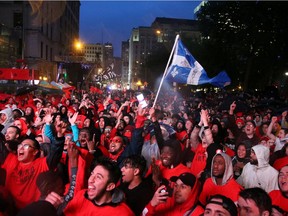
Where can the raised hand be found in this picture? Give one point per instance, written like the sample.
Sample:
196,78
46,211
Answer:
48,117
156,173
160,196
72,119
55,199
274,119
91,143
232,107
73,153
61,128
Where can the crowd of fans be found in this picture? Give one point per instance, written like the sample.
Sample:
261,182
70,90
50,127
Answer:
104,154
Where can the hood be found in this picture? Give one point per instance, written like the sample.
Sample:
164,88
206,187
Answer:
228,173
8,113
262,153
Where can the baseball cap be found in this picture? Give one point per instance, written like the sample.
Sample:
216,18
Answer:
187,178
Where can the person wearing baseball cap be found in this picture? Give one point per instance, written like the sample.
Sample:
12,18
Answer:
181,201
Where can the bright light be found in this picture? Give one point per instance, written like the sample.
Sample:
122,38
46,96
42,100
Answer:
158,32
36,82
45,78
113,87
286,73
78,45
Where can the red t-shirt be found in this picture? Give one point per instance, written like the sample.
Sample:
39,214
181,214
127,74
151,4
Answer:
199,161
279,200
21,179
279,163
80,205
231,190
168,173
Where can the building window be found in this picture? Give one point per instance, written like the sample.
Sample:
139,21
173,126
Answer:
46,52
18,20
41,47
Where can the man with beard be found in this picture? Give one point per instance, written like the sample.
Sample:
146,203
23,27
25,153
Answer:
222,181
258,172
280,197
101,197
181,202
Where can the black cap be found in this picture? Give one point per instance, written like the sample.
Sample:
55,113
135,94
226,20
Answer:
187,178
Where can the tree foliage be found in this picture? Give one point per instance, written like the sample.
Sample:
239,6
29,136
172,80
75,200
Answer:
247,38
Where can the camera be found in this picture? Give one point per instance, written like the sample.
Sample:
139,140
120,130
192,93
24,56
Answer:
167,187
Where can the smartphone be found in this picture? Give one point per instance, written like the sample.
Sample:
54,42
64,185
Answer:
141,100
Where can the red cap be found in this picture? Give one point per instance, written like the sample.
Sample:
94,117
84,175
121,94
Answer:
240,121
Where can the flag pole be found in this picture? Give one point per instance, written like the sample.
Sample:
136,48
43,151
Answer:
165,71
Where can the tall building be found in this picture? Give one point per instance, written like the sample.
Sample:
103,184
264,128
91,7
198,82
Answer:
108,54
44,30
167,28
125,63
141,43
144,40
94,53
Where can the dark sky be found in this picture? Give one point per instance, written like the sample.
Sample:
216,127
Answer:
112,21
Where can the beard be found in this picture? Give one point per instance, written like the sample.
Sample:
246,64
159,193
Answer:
253,161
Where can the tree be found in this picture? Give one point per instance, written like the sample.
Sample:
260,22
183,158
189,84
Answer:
247,38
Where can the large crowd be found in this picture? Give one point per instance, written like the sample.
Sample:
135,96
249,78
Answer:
104,153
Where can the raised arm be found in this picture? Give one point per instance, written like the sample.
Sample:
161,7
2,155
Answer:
56,146
270,127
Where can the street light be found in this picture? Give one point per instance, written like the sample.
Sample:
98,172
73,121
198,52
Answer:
78,45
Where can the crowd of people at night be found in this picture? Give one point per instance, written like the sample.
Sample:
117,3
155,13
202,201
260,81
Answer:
104,153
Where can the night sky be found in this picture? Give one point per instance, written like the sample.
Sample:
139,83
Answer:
112,21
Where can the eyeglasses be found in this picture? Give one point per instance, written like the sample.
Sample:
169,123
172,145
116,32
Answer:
107,130
25,146
116,140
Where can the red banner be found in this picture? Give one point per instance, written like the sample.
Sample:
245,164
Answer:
18,74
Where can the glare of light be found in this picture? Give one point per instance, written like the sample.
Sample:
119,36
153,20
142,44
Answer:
113,87
40,77
286,73
45,78
36,82
158,32
78,45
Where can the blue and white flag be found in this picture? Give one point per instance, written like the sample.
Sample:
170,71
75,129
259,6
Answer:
186,69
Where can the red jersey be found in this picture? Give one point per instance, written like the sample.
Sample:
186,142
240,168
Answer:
168,173
21,179
279,200
199,161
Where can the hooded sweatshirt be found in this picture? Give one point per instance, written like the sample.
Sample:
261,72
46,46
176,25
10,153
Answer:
229,187
261,175
9,120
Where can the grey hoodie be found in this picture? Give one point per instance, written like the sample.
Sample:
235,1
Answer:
228,173
9,120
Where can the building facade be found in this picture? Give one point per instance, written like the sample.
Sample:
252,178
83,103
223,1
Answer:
44,31
144,40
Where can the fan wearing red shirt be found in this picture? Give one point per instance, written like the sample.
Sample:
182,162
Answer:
280,197
101,197
22,169
221,181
